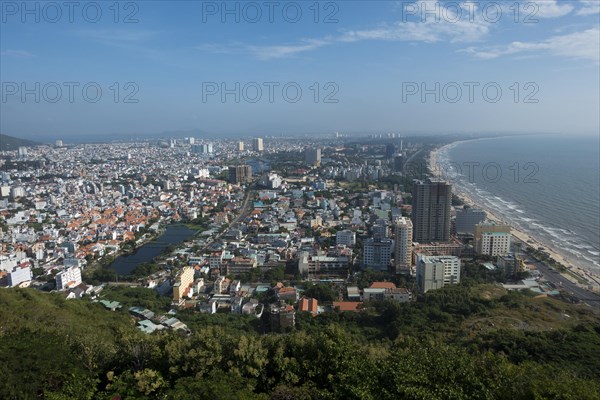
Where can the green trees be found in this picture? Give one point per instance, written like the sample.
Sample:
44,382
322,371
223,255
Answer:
321,292
57,349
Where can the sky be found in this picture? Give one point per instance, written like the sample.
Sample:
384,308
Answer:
87,69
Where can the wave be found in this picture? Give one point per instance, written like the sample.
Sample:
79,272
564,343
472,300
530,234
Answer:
535,213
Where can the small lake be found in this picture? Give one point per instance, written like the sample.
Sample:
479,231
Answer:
173,235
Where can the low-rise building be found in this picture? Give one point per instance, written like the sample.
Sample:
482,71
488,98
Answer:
434,272
19,275
68,278
511,264
282,318
377,253
221,285
241,265
345,238
331,264
308,304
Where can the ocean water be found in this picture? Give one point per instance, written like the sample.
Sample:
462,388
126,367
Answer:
545,185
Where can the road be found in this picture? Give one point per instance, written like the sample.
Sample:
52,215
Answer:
244,210
558,279
573,289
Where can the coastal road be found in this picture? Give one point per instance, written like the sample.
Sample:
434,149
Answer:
556,278
562,282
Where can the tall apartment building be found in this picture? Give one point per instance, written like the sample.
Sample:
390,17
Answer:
68,278
434,272
258,145
22,152
312,156
467,218
240,146
492,239
403,231
202,148
240,174
390,150
431,202
399,163
377,253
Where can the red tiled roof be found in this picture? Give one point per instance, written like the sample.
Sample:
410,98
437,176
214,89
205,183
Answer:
308,304
382,285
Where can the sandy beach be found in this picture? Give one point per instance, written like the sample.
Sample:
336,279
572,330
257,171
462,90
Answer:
593,279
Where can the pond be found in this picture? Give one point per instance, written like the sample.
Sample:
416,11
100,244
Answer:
173,235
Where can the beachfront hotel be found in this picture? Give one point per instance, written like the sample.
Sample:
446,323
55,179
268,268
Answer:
492,239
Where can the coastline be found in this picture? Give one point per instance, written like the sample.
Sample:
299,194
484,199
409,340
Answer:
583,274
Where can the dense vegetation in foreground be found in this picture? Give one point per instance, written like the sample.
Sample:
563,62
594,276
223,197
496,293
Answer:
462,342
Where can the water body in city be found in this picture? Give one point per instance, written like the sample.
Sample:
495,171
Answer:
545,185
173,235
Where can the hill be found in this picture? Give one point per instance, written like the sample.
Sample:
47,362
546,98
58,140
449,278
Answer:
8,143
454,343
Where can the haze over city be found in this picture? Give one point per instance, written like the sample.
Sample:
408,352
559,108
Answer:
371,54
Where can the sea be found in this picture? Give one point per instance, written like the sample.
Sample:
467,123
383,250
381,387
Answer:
545,185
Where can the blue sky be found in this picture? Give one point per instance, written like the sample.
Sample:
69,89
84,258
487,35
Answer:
373,58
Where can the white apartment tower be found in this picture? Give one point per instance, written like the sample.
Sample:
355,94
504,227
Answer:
403,230
258,145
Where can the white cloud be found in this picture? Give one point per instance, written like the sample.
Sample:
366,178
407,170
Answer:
549,8
452,28
581,45
281,51
15,53
114,36
589,7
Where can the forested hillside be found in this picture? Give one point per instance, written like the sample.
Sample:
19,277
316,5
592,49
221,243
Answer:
13,143
460,342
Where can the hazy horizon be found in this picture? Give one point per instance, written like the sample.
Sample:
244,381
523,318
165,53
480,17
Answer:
381,66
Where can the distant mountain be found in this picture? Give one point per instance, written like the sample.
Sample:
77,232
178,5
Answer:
13,143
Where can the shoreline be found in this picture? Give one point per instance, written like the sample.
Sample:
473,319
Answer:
531,241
